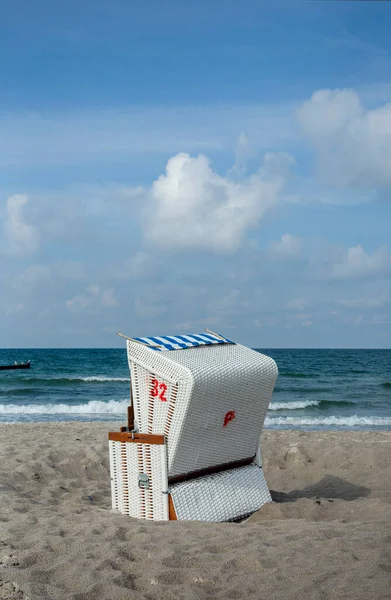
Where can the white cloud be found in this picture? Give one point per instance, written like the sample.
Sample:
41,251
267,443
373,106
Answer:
34,274
19,236
288,247
44,275
356,263
194,207
322,260
79,302
353,145
93,296
243,151
365,301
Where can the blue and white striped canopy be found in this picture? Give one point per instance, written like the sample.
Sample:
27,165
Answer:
178,342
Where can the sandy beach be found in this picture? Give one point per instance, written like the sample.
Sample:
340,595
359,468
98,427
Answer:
326,535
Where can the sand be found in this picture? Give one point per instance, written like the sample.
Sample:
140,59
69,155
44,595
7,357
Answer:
327,535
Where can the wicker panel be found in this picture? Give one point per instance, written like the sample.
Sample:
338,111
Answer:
149,408
157,383
115,473
230,381
127,462
221,497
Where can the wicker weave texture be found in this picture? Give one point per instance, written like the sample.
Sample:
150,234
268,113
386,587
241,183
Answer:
155,399
223,419
221,497
127,462
157,382
117,492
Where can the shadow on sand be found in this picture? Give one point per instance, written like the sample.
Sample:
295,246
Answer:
329,487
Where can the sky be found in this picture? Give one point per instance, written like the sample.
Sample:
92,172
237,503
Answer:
166,167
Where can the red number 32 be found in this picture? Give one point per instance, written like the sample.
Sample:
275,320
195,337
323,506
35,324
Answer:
156,386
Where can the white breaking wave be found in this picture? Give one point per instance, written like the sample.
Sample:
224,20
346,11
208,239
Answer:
119,407
100,378
113,407
352,421
293,405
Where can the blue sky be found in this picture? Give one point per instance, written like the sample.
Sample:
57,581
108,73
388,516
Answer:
165,168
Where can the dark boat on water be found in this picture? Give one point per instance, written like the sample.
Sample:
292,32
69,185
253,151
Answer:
15,366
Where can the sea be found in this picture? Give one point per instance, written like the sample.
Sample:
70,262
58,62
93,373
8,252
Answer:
315,390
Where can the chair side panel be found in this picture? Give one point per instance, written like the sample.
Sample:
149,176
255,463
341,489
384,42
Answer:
158,384
127,462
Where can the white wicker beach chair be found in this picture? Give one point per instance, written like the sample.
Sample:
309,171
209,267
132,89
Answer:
193,453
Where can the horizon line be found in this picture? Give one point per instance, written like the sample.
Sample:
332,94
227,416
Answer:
252,348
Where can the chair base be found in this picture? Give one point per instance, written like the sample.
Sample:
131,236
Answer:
220,497
139,485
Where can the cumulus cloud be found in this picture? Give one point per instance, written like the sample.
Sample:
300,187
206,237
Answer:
19,236
195,208
353,145
40,275
355,263
322,260
243,152
93,296
287,247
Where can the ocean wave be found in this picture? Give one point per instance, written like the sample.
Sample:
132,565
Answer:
24,391
69,380
352,421
93,407
387,385
297,405
101,378
300,404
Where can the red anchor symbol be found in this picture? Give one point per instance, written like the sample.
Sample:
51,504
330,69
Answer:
230,415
